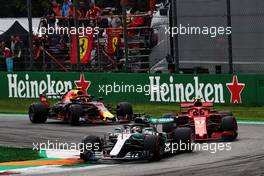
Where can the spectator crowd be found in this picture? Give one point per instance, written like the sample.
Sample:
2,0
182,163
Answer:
11,54
86,9
61,13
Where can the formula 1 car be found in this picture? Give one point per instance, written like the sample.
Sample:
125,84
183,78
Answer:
138,141
75,108
207,124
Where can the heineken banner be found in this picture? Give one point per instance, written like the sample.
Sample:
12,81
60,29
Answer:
138,88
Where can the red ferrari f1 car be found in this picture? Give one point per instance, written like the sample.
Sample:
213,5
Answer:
207,124
76,108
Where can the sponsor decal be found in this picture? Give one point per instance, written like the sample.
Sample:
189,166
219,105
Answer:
170,91
235,88
156,89
24,87
83,84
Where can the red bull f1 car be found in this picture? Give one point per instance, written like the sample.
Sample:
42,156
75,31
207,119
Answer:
76,108
207,124
137,141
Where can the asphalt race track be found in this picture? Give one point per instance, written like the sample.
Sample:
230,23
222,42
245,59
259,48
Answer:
245,158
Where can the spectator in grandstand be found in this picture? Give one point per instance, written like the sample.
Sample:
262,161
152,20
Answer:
1,50
92,15
12,43
65,8
94,11
2,61
137,21
56,8
82,9
50,15
114,21
17,53
57,11
72,12
8,58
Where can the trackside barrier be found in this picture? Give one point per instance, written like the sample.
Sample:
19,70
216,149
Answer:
140,88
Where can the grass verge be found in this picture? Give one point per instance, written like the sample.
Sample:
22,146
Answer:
8,154
153,109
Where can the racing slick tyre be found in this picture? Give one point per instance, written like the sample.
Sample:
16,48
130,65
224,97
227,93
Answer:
184,138
153,145
229,123
38,113
75,112
124,109
225,113
95,145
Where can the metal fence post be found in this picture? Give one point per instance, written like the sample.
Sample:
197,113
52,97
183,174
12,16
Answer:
76,23
30,33
230,47
175,46
124,14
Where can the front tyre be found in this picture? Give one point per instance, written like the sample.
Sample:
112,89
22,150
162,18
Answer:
38,113
91,144
229,124
75,112
184,138
152,144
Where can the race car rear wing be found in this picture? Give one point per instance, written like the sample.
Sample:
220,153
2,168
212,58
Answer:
50,95
192,104
154,120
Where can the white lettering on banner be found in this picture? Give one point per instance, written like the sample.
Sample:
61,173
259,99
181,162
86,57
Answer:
26,88
158,89
178,92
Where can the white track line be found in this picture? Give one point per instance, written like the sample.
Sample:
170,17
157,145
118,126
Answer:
251,122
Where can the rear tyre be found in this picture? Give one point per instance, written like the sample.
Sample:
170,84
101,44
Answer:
91,145
75,112
124,109
229,123
152,144
184,138
38,113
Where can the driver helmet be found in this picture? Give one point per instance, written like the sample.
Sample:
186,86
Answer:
198,101
136,129
78,90
74,95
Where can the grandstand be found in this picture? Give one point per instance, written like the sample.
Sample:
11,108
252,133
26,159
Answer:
148,47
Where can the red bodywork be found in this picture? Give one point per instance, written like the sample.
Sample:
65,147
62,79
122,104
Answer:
206,123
